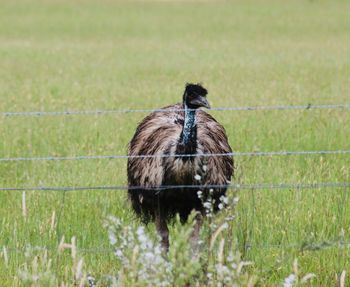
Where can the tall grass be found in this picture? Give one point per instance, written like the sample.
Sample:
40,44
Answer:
60,55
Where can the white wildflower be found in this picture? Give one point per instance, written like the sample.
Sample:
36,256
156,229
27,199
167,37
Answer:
224,199
199,194
205,168
230,258
140,230
91,280
227,279
149,256
207,204
157,250
220,206
112,238
197,177
223,269
289,281
119,253
141,236
229,218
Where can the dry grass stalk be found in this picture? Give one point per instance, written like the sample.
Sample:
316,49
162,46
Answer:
216,234
307,277
78,274
73,247
221,259
295,266
62,246
342,279
24,206
53,221
243,264
5,254
134,258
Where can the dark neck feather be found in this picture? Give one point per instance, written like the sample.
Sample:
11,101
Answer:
188,137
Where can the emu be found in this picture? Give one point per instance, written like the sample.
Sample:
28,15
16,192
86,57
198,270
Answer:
169,135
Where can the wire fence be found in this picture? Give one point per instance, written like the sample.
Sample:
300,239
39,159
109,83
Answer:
253,186
125,111
303,246
258,153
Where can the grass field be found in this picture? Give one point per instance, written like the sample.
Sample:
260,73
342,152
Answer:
86,55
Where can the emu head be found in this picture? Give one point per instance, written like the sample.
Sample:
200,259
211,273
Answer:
195,96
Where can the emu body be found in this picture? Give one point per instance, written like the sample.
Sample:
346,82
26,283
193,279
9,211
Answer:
180,129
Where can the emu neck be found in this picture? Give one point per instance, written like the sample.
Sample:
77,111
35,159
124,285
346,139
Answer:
188,137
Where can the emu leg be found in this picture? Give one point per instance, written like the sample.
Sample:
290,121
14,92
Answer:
163,231
195,233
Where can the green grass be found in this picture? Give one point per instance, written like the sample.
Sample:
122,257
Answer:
60,55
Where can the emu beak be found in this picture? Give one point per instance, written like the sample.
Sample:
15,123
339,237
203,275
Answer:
201,102
205,103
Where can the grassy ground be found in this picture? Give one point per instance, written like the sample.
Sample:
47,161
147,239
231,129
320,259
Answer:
58,55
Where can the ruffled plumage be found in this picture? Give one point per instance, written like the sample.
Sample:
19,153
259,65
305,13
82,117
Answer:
159,134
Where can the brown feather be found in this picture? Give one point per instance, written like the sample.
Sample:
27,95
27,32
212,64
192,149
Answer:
158,134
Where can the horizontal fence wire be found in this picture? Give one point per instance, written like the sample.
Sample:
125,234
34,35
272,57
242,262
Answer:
89,157
303,246
253,186
125,111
